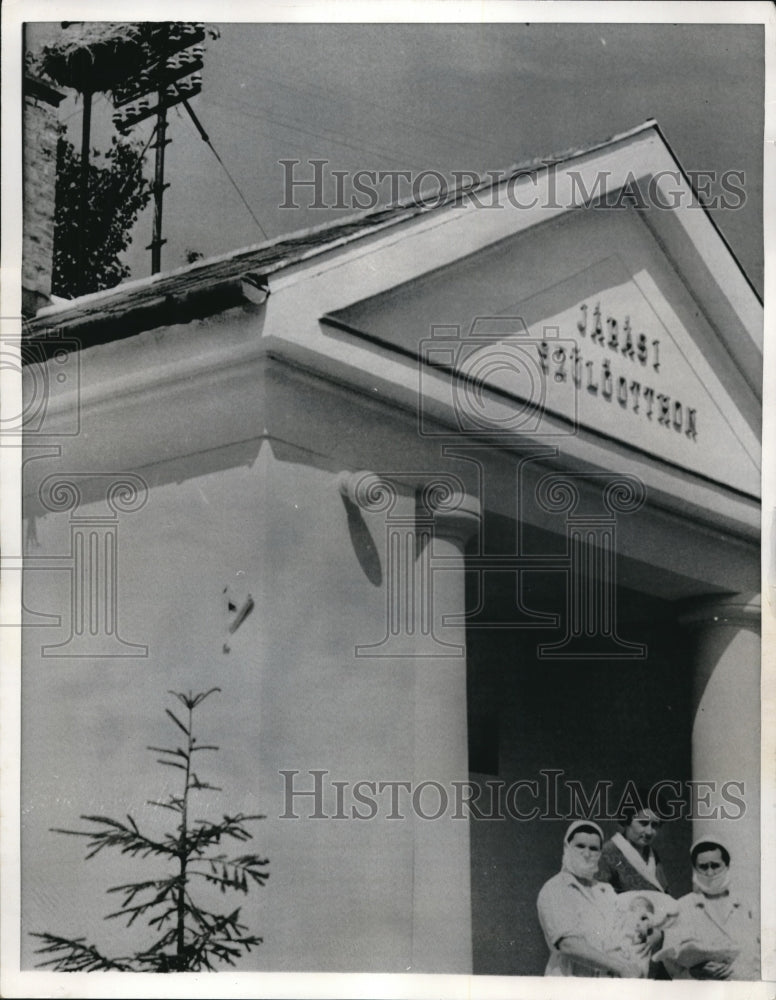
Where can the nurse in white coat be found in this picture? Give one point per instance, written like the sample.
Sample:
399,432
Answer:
577,913
716,935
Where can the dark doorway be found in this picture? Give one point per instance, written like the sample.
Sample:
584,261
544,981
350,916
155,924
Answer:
564,725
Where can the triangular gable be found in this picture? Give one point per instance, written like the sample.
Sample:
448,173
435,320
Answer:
525,255
591,320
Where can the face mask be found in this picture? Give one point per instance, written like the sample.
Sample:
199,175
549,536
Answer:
713,884
574,862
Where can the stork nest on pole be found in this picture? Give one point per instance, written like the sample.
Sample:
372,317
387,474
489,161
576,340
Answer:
96,57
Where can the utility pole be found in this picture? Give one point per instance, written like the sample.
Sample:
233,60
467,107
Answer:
171,73
146,67
156,244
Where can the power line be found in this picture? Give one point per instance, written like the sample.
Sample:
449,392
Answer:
259,132
395,155
206,138
389,112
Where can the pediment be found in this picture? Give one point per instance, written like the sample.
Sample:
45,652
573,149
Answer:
581,326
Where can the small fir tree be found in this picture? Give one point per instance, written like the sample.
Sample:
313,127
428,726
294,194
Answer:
190,938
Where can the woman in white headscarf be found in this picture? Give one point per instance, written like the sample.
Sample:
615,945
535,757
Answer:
577,913
716,935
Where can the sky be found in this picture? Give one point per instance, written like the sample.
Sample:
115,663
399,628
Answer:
414,97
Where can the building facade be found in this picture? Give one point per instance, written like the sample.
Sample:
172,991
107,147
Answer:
458,504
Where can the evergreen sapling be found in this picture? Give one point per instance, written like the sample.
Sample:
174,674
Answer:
189,936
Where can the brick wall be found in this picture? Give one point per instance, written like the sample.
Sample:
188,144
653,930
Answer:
41,131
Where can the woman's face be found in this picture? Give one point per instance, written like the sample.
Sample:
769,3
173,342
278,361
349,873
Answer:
710,862
586,846
642,829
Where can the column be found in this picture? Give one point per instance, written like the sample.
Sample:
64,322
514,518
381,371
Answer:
441,932
726,726
426,521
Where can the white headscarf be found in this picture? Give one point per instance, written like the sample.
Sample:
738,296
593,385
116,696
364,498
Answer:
572,860
716,883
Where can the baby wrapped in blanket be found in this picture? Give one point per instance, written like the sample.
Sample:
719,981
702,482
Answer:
639,921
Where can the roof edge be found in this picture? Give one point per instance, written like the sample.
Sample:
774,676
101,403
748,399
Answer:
258,261
707,213
383,215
